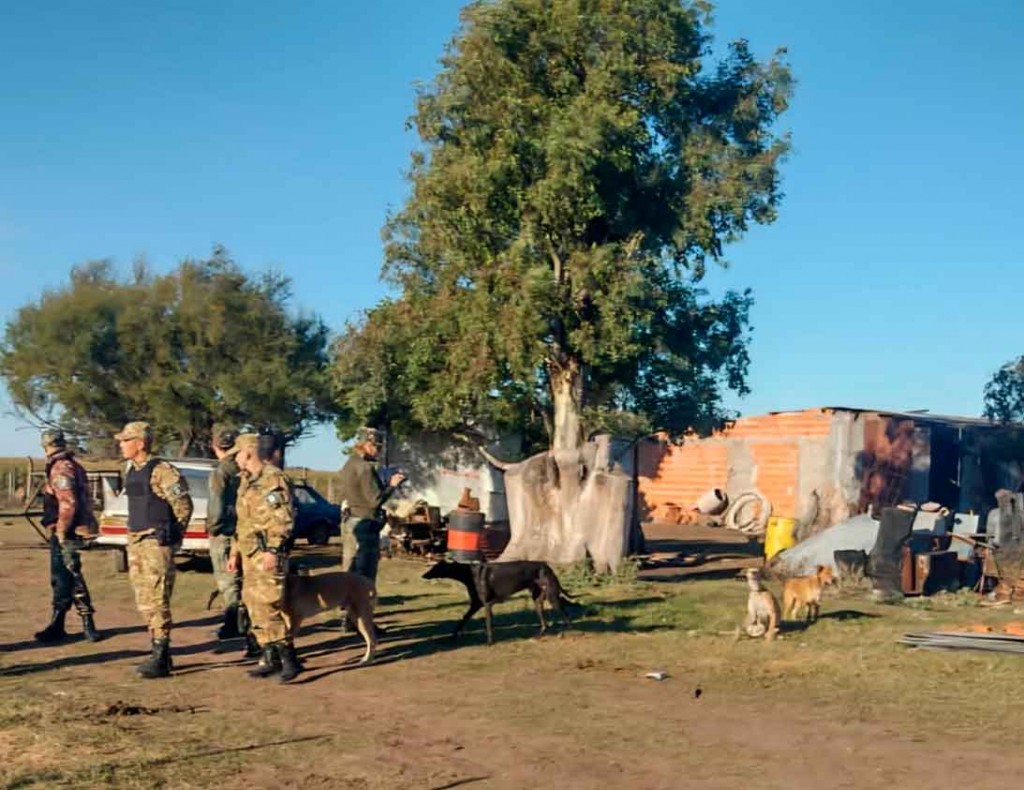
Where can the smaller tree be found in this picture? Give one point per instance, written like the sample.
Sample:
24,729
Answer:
1004,393
202,345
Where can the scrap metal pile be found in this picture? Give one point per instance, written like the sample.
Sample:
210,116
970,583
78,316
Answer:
928,550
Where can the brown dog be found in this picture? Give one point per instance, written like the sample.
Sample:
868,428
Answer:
307,596
802,591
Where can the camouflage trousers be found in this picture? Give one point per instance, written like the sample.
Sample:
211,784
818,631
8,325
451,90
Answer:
263,596
151,571
229,584
360,547
66,578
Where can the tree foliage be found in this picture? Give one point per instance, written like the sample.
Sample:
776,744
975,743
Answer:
203,345
581,165
1004,393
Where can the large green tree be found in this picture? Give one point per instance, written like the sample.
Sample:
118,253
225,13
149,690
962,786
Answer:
201,345
581,165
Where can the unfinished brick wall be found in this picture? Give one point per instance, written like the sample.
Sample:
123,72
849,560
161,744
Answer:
760,452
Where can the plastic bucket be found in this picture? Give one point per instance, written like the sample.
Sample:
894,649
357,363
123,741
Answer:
778,535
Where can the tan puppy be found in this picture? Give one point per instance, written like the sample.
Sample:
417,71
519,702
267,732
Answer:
762,608
802,591
307,596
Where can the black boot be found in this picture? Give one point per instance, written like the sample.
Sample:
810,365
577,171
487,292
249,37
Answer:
54,632
290,666
89,628
158,665
229,630
252,647
270,662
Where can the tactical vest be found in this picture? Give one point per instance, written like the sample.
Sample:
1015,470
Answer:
145,509
83,505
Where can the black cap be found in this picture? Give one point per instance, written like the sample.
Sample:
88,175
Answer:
225,438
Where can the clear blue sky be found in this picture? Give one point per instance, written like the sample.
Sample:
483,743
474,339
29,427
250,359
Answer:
893,277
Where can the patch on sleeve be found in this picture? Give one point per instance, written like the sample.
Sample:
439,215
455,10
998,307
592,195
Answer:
276,498
176,490
63,483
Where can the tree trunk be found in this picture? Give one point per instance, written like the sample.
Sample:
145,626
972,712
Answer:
566,504
567,397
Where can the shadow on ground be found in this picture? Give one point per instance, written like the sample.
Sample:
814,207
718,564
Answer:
401,642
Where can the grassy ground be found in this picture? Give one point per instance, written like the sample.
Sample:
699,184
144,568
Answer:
570,710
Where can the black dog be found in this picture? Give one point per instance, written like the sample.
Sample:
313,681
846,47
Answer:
491,583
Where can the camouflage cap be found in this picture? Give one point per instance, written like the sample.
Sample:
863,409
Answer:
225,438
372,435
245,440
135,430
53,437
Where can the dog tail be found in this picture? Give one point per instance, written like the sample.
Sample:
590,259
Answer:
213,597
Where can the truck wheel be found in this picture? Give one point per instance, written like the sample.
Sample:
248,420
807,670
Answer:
120,560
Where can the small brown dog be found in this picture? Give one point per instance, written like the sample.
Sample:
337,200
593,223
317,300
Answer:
307,596
802,591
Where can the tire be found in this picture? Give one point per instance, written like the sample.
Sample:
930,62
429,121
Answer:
319,534
120,560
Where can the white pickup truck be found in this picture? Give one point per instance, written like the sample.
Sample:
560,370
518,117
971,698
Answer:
316,519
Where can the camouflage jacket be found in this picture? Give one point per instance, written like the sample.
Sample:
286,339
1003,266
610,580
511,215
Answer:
66,500
168,484
264,507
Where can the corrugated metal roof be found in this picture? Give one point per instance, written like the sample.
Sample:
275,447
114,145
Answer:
919,416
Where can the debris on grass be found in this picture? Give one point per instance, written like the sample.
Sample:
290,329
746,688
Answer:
965,640
120,708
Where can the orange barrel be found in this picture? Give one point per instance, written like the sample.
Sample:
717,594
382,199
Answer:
464,530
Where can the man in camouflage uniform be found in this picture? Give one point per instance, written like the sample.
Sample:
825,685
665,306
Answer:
220,525
159,509
260,546
365,493
67,505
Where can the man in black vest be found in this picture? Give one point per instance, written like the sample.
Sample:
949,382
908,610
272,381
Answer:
66,506
159,509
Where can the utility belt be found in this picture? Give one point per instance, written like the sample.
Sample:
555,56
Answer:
164,535
281,551
362,512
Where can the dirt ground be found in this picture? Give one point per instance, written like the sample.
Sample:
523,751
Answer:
839,704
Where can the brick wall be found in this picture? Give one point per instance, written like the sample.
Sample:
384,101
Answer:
761,451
